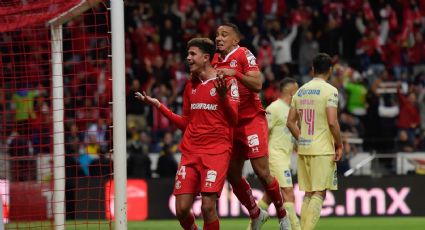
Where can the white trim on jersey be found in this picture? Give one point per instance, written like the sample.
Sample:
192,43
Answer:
205,82
231,52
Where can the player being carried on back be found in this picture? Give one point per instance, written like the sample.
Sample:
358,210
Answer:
251,134
210,110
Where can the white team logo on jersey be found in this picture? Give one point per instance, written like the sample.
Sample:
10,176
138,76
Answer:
234,90
251,58
193,91
233,63
211,176
253,140
213,92
178,184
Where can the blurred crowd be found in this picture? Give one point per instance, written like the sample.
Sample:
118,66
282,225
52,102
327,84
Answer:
377,47
26,96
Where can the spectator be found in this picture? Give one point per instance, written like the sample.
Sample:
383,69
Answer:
356,95
403,142
167,164
409,119
169,37
140,144
135,111
167,144
139,166
72,140
265,55
282,46
18,146
308,50
23,104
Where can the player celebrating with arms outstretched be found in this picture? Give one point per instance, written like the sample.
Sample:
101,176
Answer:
210,110
314,107
250,135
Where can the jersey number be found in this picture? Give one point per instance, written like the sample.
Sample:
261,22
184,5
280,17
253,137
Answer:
182,172
308,116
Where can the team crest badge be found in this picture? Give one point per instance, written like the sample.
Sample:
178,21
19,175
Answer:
213,92
233,63
178,184
253,140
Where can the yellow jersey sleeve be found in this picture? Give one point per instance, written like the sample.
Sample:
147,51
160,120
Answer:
332,98
271,117
280,138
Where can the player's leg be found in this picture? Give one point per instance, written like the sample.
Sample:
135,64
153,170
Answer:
312,213
279,164
323,177
184,215
304,182
261,169
256,133
241,187
289,199
186,185
304,208
209,212
213,174
265,202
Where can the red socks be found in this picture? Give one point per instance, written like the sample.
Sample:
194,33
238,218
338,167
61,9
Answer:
215,225
243,192
273,190
189,223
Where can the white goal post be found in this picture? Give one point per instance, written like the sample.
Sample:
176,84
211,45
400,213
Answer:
118,106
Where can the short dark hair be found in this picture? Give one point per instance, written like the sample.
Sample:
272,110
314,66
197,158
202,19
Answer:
286,81
322,63
234,28
206,45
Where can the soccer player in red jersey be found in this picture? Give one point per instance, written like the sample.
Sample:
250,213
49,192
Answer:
210,110
251,134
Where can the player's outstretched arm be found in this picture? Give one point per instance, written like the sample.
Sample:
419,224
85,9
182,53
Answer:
291,123
229,97
180,121
251,79
147,99
332,117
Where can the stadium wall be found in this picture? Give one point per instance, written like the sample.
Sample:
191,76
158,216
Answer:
152,199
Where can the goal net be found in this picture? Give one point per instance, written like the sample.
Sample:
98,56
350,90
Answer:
55,113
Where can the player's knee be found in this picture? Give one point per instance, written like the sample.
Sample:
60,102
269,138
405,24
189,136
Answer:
264,176
320,193
182,210
288,194
208,208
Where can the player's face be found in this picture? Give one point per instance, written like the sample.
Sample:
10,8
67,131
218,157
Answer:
196,59
293,89
290,89
226,39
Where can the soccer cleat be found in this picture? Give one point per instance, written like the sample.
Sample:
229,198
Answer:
257,223
284,224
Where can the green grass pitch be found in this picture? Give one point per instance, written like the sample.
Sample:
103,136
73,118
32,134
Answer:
327,223
351,223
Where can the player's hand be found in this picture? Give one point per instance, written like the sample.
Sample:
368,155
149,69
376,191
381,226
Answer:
226,72
221,86
147,99
338,152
